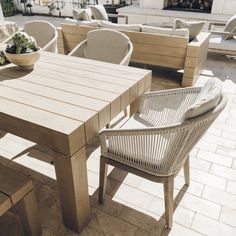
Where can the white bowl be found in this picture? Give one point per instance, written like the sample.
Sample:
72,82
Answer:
24,61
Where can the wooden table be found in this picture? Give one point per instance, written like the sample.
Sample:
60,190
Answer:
62,104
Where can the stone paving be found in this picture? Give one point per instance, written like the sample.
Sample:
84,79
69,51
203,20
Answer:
135,206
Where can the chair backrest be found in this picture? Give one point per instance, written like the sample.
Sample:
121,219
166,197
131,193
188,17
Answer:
107,45
42,31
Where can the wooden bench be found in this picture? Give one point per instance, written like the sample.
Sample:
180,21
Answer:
149,48
16,192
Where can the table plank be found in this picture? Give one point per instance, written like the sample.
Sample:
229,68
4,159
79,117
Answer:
45,128
5,203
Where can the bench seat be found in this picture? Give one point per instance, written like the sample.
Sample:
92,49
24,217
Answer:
17,193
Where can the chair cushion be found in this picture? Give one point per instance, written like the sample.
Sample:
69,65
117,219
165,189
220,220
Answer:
230,27
130,27
194,27
219,42
207,99
92,23
81,14
165,31
106,45
99,12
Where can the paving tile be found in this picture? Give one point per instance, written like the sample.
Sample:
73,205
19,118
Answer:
219,140
223,172
207,178
211,227
134,196
144,220
231,187
179,230
228,216
110,225
220,197
199,205
200,164
229,135
234,165
215,158
231,152
204,145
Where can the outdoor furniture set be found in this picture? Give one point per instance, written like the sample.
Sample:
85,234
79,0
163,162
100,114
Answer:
154,143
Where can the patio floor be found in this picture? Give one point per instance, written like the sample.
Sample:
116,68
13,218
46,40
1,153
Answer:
135,206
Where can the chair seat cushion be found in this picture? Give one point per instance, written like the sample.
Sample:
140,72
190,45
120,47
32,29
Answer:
207,99
165,31
129,27
218,42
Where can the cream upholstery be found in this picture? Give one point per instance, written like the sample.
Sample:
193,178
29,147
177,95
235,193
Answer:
165,31
159,147
206,100
99,12
44,33
105,45
93,23
82,14
127,27
194,27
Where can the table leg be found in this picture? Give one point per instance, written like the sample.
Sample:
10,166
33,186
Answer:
73,186
134,105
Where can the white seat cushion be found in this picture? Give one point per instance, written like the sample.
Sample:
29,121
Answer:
218,42
207,99
106,45
165,31
129,27
92,23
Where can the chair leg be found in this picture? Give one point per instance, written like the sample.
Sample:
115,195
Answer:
126,111
102,180
186,172
168,192
28,211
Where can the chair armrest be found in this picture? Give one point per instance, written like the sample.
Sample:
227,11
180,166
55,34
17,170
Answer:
78,51
215,24
52,45
126,59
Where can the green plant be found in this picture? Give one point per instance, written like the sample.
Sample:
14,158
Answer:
3,59
21,43
8,7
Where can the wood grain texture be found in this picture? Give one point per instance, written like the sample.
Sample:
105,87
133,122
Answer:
5,203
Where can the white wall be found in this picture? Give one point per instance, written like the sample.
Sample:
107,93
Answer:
1,14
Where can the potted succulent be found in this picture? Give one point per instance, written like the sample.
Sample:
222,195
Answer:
23,51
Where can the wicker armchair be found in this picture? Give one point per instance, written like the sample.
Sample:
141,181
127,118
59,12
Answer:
155,143
44,33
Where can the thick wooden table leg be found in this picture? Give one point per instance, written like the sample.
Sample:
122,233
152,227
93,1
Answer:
27,209
73,186
134,105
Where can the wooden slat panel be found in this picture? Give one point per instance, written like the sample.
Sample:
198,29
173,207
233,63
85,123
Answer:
14,184
159,49
5,203
44,128
152,59
75,29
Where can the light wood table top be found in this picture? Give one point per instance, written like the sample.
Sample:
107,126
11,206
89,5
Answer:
62,104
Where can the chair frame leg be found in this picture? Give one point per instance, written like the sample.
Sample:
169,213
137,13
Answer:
168,193
187,172
102,180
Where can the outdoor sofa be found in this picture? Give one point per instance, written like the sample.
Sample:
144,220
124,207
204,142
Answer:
164,48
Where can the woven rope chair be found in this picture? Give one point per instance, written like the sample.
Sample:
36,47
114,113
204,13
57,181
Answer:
155,143
105,45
